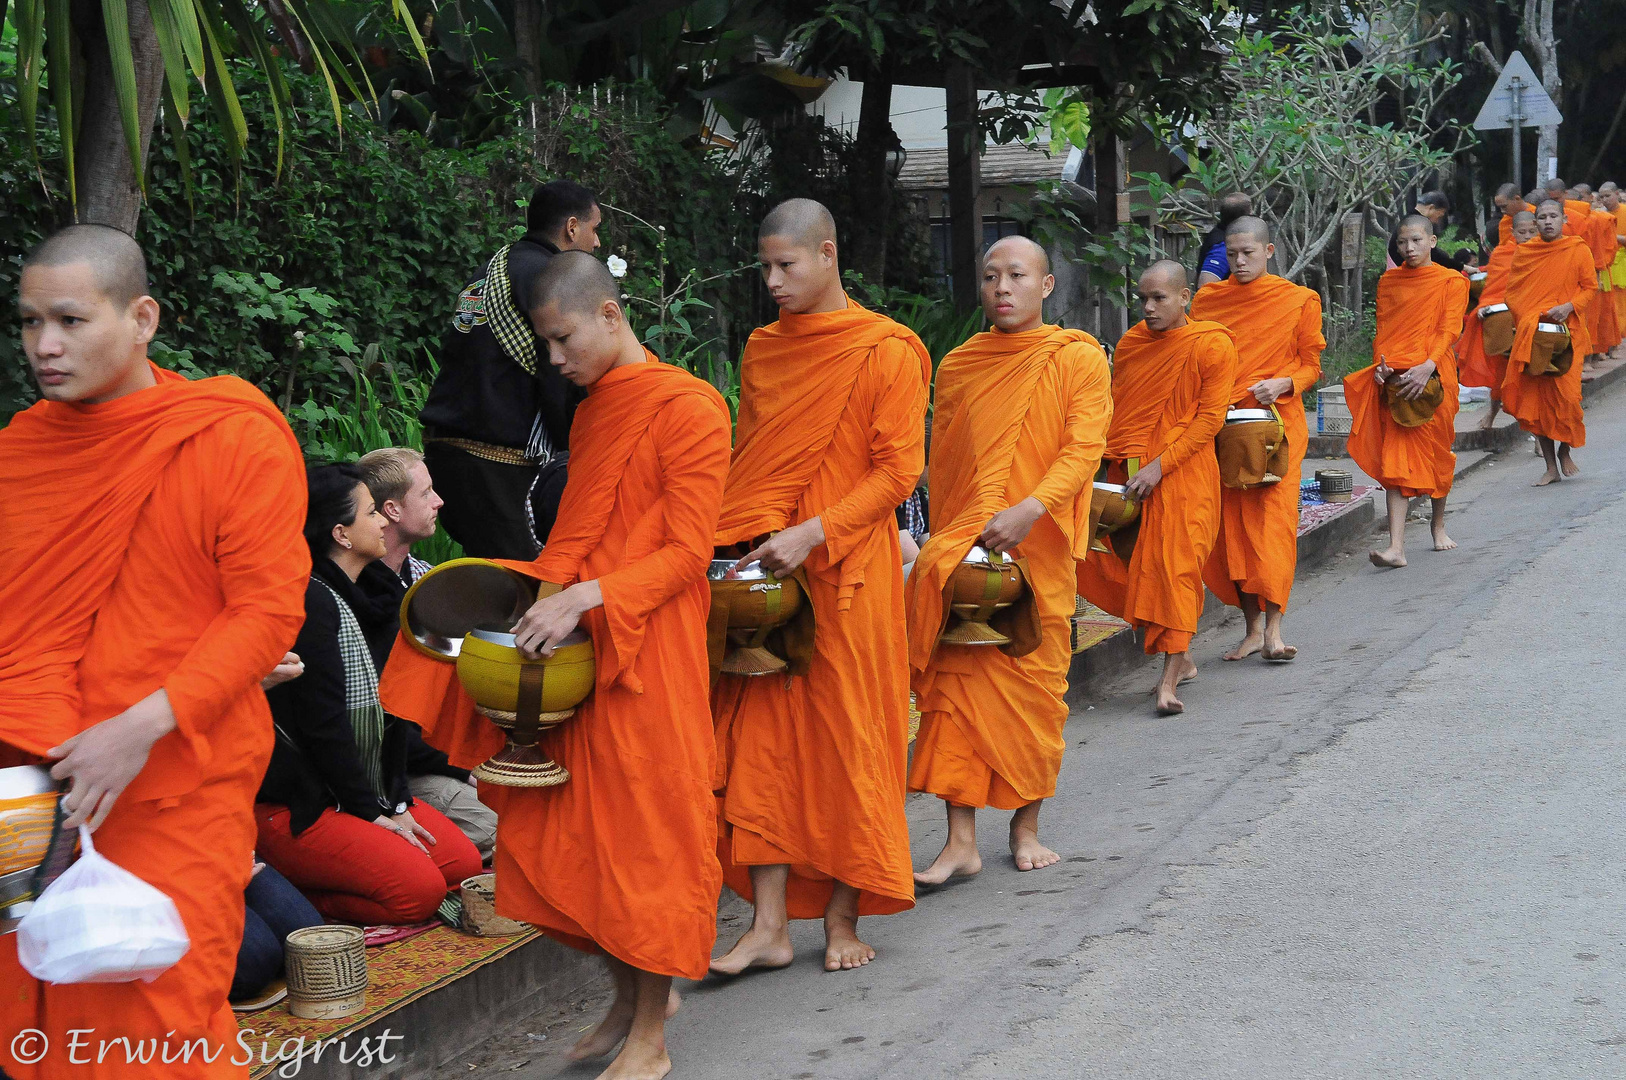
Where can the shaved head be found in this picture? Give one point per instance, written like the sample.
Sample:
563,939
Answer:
1508,191
114,257
1534,196
1608,185
1166,272
1583,191
805,221
1555,186
1164,292
1551,202
576,282
1250,226
1524,217
1418,221
1019,243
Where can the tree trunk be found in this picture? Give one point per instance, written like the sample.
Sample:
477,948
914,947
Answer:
1537,31
109,193
871,187
528,44
965,183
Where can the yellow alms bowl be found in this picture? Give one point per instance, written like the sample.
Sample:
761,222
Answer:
488,666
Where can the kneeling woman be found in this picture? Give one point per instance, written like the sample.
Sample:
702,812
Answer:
335,814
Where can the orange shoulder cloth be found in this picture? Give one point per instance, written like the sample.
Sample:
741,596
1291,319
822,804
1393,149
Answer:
795,382
73,482
1409,313
1155,383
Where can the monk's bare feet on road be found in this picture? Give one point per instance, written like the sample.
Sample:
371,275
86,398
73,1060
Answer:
609,1033
956,860
843,950
1178,668
1549,477
638,1061
1390,558
1567,464
1443,542
759,947
1252,642
1028,853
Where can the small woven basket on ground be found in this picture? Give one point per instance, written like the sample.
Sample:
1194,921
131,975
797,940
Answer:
480,916
327,972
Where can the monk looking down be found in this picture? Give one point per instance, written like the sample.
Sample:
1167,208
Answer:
1171,379
811,768
1277,326
1021,415
1420,308
620,858
152,531
1480,368
1508,203
1552,280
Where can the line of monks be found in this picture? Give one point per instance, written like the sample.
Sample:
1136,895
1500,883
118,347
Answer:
164,518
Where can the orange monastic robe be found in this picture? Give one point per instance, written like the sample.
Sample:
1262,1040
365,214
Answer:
1602,326
1478,368
1017,416
1170,390
153,541
811,768
1419,316
1504,227
1576,214
1617,273
619,858
1545,275
1277,326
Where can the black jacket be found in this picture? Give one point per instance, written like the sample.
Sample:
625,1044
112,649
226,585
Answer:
482,394
315,763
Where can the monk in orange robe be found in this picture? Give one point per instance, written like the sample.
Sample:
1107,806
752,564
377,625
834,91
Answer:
1478,367
811,768
1553,281
1171,381
1420,308
620,858
151,528
1277,326
1509,202
1602,325
1576,207
1021,414
1609,195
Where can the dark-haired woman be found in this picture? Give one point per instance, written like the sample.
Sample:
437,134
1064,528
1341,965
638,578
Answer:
335,814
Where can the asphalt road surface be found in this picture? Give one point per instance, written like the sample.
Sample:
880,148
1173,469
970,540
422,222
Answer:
1402,855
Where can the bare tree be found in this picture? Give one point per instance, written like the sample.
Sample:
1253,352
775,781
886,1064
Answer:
1537,32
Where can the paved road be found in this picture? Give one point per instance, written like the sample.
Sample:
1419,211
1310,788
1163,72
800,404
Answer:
1404,855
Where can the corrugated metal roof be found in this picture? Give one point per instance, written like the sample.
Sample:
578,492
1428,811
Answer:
1013,163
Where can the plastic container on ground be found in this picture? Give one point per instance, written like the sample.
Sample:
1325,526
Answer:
1331,413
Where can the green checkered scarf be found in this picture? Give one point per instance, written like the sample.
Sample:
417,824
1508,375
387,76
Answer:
361,695
508,324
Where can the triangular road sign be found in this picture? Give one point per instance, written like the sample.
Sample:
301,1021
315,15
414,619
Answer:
1536,109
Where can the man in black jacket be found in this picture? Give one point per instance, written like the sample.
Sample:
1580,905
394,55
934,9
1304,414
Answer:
497,422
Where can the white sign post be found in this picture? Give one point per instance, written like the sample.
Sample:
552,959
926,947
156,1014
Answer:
1518,100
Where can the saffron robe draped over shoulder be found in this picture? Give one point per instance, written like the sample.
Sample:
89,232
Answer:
1475,366
1419,317
1576,213
1016,416
1504,227
1545,275
1277,326
619,858
153,541
1602,326
811,768
1170,390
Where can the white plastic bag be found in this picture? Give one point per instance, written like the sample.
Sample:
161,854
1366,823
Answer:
100,923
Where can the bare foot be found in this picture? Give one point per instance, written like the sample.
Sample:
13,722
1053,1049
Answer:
1392,558
1570,467
1549,477
638,1061
758,947
954,861
1251,643
1028,852
843,951
609,1033
1443,542
1279,653
1488,423
673,1003
1168,704
1187,674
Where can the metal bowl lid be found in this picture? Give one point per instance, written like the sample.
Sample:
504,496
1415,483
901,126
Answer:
1248,416
461,596
979,555
1552,328
723,570
1480,276
1491,309
21,781
1118,489
498,637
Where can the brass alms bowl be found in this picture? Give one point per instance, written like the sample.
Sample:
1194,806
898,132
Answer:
985,582
758,603
524,698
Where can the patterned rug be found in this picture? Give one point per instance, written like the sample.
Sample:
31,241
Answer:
397,974
1314,513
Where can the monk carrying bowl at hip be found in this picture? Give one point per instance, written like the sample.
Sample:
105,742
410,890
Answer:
1021,415
811,767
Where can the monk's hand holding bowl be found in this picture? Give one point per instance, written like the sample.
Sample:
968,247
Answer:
1381,371
1140,485
1011,526
552,619
1413,381
787,549
102,760
1559,314
1266,391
